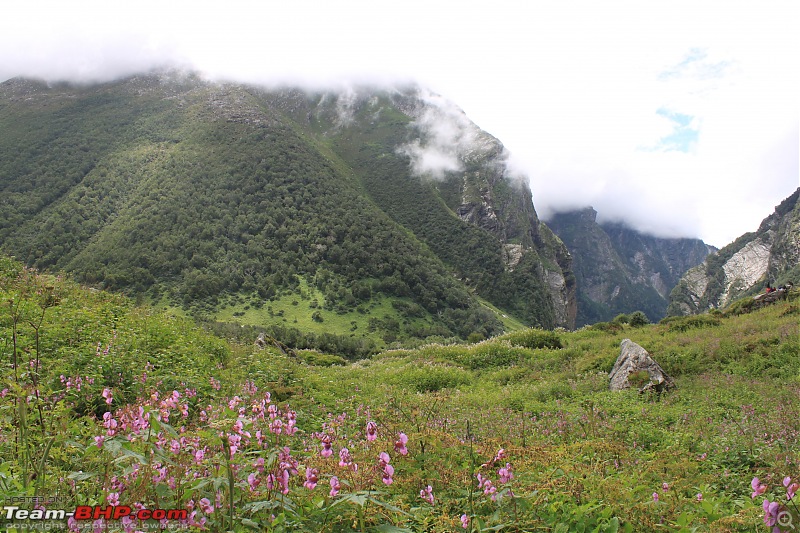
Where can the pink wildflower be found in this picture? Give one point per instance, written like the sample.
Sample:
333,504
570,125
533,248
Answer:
345,459
699,496
665,486
758,488
327,450
372,431
464,521
205,506
108,395
99,440
505,474
400,444
312,477
655,497
771,512
791,488
388,470
427,494
113,498
335,486
253,481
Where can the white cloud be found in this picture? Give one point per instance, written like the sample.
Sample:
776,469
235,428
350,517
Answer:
572,89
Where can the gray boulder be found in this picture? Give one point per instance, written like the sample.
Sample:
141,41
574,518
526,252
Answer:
633,359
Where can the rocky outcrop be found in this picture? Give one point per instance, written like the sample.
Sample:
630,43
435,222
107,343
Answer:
619,270
633,362
744,267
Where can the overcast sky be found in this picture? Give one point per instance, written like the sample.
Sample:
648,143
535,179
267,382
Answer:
678,117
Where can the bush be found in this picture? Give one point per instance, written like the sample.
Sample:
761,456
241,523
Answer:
431,377
621,318
534,339
638,319
684,323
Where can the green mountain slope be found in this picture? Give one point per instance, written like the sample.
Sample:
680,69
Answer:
225,199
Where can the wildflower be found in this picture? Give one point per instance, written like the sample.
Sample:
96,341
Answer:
427,494
501,454
108,395
113,498
665,487
198,456
205,506
372,431
655,497
400,444
505,474
312,477
699,496
791,488
234,402
253,481
488,487
758,488
335,486
327,450
464,521
99,440
771,514
388,470
345,459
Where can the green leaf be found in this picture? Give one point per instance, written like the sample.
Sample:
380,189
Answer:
252,524
81,476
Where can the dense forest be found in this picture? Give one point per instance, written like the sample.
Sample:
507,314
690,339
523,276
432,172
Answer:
202,196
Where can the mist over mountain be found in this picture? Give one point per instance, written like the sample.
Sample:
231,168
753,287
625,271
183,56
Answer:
621,270
385,208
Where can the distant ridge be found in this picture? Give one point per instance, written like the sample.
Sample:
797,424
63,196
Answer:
619,270
770,255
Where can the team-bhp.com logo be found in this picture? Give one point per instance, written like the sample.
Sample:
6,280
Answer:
13,514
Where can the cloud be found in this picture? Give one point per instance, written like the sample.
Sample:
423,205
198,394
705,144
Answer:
445,137
573,90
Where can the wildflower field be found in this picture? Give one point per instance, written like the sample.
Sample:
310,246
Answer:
103,403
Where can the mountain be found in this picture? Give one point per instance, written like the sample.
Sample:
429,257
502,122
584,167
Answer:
744,267
619,270
368,211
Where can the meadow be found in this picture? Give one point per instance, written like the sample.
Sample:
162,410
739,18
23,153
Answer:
106,403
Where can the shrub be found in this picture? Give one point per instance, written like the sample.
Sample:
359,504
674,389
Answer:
534,338
621,318
431,377
684,323
638,319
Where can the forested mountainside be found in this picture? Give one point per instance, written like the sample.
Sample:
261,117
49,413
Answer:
619,270
770,255
227,199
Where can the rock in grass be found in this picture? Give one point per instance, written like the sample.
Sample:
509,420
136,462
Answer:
635,366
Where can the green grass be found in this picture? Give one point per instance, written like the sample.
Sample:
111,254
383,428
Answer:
583,458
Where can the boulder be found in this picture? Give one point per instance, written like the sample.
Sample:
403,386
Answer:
633,359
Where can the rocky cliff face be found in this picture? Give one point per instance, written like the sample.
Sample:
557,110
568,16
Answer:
619,270
769,255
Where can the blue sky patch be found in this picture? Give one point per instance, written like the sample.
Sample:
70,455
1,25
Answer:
683,135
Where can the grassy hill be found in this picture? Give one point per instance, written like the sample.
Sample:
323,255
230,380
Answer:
104,402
